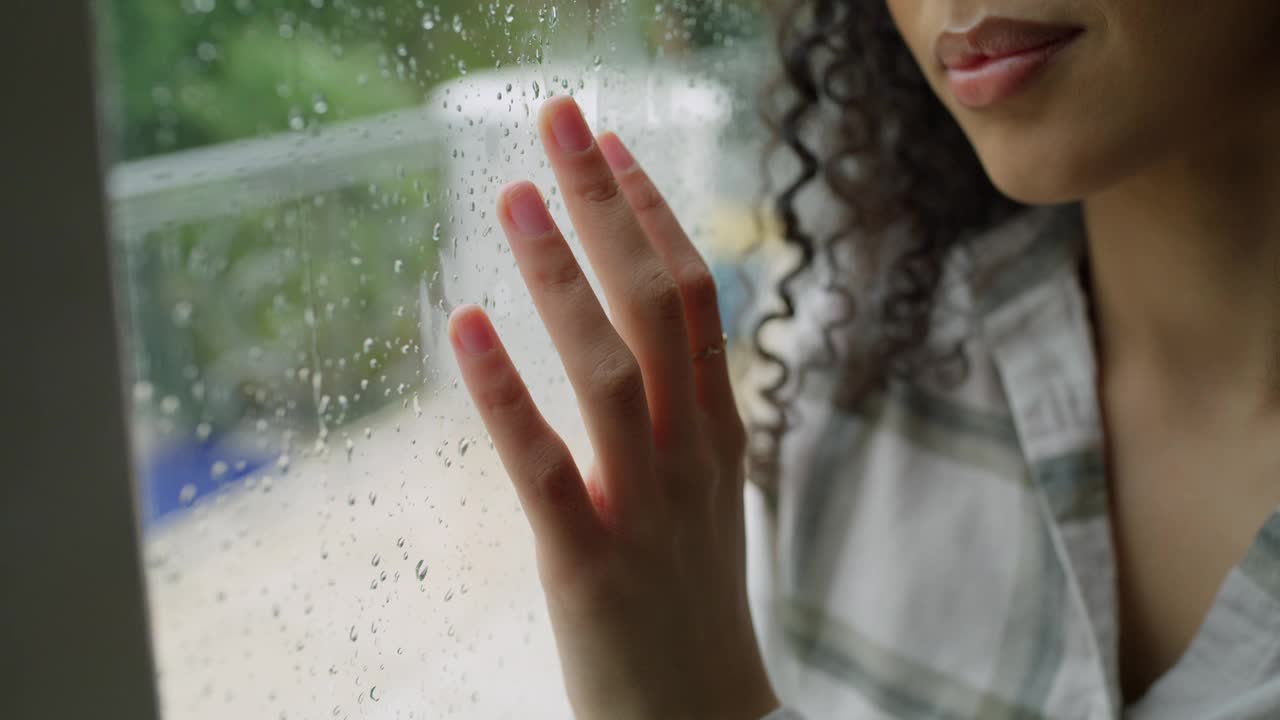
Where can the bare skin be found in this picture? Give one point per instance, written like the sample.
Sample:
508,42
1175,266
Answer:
1161,121
642,557
1188,298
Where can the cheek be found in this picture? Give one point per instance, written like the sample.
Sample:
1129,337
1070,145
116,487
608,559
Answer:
912,19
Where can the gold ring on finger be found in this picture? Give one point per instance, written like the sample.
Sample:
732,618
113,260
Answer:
711,350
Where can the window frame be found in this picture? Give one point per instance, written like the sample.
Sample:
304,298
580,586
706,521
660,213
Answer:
73,613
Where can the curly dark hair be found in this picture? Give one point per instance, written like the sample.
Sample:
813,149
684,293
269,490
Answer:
853,108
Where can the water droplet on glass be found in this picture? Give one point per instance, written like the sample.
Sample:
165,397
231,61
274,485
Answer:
421,570
463,444
320,105
428,22
353,634
373,693
400,542
170,404
376,559
373,497
203,431
217,469
182,314
187,494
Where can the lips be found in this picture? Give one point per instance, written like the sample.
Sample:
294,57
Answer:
999,57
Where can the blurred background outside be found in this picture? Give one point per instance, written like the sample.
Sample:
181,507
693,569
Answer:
301,191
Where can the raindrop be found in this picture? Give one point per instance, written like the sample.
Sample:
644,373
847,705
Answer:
510,16
373,693
373,498
182,314
463,444
421,570
353,634
435,231
203,430
187,494
320,105
217,469
555,17
428,22
400,542
537,90
457,23
376,559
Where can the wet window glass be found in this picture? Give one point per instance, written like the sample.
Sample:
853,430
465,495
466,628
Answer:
301,191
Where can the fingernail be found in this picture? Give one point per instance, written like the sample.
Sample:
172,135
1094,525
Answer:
570,128
526,209
473,331
615,153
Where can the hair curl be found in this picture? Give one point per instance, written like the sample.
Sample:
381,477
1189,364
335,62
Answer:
853,108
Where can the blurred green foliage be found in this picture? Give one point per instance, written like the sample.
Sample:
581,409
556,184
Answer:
302,313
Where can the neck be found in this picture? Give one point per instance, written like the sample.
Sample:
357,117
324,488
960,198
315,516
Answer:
1185,259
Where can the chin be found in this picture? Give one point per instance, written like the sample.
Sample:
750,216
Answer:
1043,173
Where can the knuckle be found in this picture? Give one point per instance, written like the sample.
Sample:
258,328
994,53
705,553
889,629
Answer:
504,398
645,198
597,188
564,276
659,295
698,287
554,474
616,379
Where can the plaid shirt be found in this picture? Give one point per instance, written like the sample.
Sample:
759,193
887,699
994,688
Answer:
945,552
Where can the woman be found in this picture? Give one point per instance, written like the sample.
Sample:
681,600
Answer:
1029,467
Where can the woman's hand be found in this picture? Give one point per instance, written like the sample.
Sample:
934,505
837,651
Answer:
642,559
